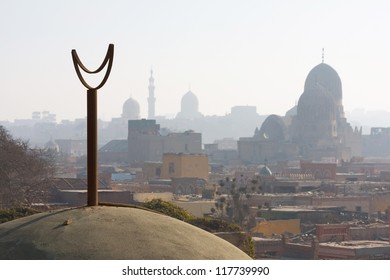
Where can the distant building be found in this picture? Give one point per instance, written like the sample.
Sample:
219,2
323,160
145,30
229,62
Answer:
145,143
319,170
377,144
189,172
185,166
189,107
72,147
315,129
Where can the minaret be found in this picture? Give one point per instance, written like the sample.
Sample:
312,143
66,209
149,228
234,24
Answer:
151,98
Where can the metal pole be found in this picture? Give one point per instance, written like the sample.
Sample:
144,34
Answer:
92,131
92,147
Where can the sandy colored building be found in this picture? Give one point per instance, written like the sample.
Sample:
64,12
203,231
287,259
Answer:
269,228
185,166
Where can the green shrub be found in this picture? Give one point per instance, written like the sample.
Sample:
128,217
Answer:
10,214
215,225
168,209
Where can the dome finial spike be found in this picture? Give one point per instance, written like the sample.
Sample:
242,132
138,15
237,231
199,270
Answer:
323,55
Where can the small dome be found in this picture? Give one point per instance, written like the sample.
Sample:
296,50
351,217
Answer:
325,77
265,171
273,129
131,109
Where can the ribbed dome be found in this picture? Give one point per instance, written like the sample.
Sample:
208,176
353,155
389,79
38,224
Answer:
316,105
325,77
273,129
131,109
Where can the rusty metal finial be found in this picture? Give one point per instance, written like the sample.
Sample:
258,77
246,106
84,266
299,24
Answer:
92,162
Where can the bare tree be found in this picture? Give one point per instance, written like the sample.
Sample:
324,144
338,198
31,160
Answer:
233,205
24,172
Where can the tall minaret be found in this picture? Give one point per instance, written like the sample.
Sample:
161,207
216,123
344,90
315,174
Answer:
151,98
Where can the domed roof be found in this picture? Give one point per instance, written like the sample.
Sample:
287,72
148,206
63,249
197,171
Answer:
265,171
325,77
189,107
131,109
110,233
315,105
189,102
273,129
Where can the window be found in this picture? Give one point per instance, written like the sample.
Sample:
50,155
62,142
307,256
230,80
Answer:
171,167
158,171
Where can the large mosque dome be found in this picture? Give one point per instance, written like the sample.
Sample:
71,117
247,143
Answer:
325,77
131,109
316,105
189,102
189,106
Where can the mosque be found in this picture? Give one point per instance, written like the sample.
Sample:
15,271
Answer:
314,129
241,121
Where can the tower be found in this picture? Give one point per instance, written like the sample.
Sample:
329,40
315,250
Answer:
151,98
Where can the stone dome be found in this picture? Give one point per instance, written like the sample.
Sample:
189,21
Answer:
273,129
110,233
316,105
189,102
189,107
131,109
325,77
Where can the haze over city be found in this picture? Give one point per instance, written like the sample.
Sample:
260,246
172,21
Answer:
229,53
259,129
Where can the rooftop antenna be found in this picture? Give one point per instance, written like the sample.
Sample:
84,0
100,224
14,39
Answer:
92,167
323,55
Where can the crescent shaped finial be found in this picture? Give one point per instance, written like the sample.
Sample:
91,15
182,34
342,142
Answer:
78,64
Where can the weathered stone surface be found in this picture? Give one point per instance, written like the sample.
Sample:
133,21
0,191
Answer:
107,232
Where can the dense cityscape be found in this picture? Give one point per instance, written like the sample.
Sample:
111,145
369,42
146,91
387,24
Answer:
305,185
194,138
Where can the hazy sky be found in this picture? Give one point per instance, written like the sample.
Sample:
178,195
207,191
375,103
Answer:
231,52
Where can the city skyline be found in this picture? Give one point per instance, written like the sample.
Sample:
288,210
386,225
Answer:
233,53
